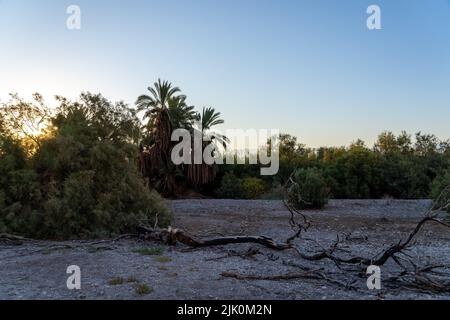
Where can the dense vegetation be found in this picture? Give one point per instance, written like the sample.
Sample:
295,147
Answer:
72,172
166,110
88,168
308,189
400,167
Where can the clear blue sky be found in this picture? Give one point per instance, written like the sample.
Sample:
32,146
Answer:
310,68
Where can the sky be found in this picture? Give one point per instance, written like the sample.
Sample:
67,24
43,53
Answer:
310,68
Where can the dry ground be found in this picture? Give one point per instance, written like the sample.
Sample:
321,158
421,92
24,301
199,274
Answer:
113,270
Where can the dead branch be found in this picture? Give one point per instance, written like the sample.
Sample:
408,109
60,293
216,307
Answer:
172,236
11,239
309,274
416,279
420,281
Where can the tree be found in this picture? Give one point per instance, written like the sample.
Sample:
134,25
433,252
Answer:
230,187
82,180
157,165
426,144
202,174
387,143
181,115
404,142
208,119
308,189
25,120
166,109
156,107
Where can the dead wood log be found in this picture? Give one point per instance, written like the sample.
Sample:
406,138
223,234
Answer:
440,204
419,279
419,282
10,239
172,236
309,274
288,276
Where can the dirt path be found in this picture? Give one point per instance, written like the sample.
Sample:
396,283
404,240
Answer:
114,270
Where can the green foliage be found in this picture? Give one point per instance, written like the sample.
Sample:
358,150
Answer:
397,166
309,190
354,173
82,180
253,188
277,192
132,279
142,289
230,187
117,281
166,110
440,189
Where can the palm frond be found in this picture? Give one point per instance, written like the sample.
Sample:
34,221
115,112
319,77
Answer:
210,118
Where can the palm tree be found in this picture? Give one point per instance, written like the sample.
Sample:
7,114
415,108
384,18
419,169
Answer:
159,98
199,174
156,107
166,110
156,164
181,115
210,118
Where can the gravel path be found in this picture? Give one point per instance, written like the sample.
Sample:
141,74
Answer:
135,270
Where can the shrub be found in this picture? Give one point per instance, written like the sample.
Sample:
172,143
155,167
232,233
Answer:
253,187
116,281
277,192
143,289
230,187
82,181
309,190
438,187
132,279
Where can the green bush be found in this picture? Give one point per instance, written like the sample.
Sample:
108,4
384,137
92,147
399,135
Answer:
440,189
399,167
277,192
230,187
309,190
143,289
82,181
253,188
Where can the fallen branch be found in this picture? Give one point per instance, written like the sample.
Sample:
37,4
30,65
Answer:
11,239
172,236
417,279
310,274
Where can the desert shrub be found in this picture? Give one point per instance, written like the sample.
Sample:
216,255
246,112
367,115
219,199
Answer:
143,289
440,189
116,281
309,190
19,186
230,187
82,181
253,187
277,192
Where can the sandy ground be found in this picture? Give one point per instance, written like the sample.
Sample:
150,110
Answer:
114,270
